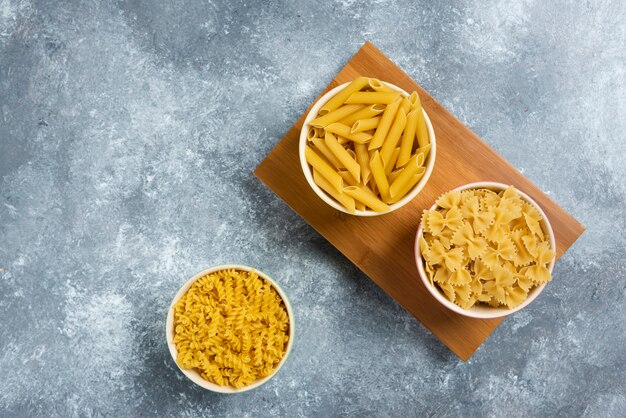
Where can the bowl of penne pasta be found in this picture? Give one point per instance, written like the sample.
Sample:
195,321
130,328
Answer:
367,147
485,250
230,328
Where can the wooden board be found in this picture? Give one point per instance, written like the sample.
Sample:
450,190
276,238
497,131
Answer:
382,247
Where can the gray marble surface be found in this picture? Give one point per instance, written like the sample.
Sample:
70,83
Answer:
129,131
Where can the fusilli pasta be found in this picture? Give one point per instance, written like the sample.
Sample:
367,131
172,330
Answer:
232,327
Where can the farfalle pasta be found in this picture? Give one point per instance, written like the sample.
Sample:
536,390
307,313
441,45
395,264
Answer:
479,246
232,327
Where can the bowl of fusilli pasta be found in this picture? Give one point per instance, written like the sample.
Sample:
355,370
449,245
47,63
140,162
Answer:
230,328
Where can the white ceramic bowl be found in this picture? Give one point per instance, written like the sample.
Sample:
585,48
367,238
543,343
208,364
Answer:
308,174
484,311
195,376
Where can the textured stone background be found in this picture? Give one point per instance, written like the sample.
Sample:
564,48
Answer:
128,135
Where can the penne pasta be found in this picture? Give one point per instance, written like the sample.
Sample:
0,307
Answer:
422,130
352,154
335,115
408,137
385,124
359,194
414,166
341,97
405,105
414,100
376,97
393,137
365,124
326,152
378,173
348,178
367,145
392,161
344,130
408,186
394,175
342,155
365,113
425,150
324,169
317,151
377,85
311,133
363,158
345,200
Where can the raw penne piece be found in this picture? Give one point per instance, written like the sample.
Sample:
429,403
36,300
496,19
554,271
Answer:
394,175
408,186
393,137
311,133
317,151
377,85
374,189
342,140
375,97
345,200
425,150
392,161
378,173
360,206
365,113
405,105
344,130
421,129
414,166
324,169
353,155
408,136
335,115
365,124
363,158
348,178
414,100
342,155
326,152
360,195
340,98
385,124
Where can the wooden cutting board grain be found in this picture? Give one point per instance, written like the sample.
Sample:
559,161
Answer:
382,247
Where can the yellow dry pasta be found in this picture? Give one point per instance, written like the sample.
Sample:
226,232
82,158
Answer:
367,118
335,115
365,113
232,327
482,247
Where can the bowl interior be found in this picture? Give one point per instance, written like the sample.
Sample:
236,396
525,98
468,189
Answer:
193,375
480,310
429,163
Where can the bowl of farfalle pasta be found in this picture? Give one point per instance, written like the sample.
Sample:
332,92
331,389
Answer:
367,147
485,250
230,328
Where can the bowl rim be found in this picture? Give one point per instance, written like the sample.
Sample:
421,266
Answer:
330,201
195,376
489,312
